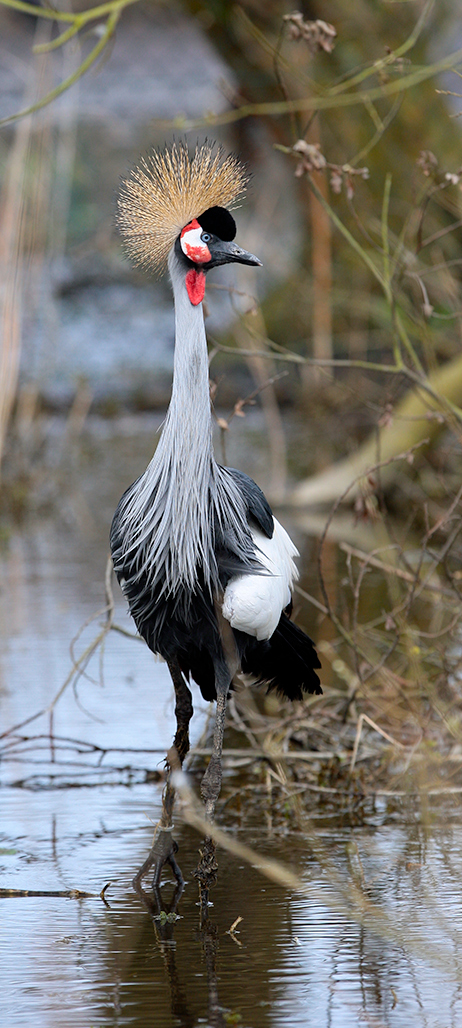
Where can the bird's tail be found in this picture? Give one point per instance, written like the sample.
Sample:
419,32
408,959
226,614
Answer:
286,662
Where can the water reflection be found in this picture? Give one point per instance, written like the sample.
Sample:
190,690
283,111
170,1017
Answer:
300,962
164,914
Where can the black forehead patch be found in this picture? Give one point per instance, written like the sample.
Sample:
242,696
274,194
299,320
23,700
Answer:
219,222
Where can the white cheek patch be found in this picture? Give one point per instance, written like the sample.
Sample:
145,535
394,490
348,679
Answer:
192,245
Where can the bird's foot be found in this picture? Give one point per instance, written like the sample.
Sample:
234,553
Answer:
163,851
206,874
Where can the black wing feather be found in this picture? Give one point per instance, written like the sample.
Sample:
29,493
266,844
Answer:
257,504
285,662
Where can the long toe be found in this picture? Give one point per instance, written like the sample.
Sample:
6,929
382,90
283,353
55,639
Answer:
163,851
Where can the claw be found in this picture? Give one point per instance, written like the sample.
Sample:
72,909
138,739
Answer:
162,852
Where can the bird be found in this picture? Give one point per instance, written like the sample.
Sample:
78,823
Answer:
206,568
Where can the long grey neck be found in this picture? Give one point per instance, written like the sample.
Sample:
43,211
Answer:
186,440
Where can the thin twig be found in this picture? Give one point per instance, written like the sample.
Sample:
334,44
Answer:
364,718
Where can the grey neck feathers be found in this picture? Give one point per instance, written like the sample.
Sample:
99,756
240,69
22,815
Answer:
184,454
170,515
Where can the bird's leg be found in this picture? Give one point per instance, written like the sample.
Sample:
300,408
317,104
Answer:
206,871
183,710
164,847
211,782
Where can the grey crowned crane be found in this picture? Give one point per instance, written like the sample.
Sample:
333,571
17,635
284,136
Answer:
205,567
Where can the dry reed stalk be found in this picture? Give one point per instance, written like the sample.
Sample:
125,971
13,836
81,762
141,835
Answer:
23,214
33,207
12,220
321,261
321,267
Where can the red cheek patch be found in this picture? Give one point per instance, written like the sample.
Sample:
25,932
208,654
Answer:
195,284
198,254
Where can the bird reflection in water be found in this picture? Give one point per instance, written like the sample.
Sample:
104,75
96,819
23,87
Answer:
163,916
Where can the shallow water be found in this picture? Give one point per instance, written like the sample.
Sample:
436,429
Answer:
296,960
79,818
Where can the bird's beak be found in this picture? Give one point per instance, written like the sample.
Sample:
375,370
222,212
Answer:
229,253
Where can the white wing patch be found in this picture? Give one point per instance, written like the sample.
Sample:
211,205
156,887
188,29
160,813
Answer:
254,603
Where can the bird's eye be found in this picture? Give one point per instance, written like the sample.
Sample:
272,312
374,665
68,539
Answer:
206,237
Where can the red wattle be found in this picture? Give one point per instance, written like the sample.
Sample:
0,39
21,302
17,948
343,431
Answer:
195,284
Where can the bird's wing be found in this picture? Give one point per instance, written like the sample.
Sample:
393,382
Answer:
253,603
258,507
